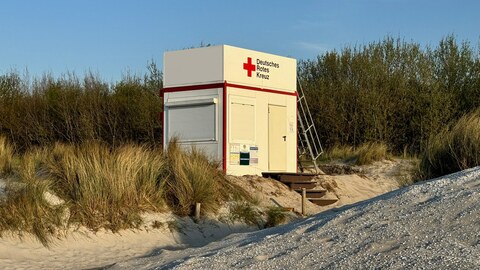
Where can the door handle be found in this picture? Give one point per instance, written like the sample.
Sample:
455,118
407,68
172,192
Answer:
284,138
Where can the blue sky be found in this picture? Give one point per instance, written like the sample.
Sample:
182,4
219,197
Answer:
111,37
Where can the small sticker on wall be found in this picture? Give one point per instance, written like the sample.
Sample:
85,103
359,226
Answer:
234,154
244,158
234,148
253,154
234,158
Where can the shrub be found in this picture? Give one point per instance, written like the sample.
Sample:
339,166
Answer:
455,148
43,110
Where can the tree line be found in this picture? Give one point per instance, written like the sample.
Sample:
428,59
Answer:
73,110
391,91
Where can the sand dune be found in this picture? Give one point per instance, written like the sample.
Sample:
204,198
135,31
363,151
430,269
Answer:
431,225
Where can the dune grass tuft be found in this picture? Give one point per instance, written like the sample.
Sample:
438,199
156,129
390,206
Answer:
24,208
339,152
244,211
107,188
455,148
97,186
275,216
6,156
366,153
193,178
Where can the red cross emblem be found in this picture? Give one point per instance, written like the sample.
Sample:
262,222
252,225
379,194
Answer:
249,67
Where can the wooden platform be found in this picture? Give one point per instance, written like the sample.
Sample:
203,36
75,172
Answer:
322,201
289,177
298,181
314,193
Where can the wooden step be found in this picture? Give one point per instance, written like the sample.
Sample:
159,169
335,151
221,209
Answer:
322,201
300,185
315,193
286,178
289,177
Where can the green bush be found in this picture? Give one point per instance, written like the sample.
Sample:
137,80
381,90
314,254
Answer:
391,91
69,109
455,148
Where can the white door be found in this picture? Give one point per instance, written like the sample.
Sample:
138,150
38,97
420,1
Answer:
277,138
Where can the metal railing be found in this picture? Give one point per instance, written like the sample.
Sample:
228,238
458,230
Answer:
309,146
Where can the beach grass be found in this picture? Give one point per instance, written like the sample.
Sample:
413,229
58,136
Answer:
456,147
100,187
107,188
365,154
6,156
192,179
24,208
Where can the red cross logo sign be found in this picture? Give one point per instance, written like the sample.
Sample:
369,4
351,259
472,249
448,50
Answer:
249,67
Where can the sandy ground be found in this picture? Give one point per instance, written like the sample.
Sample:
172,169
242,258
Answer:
82,249
431,225
348,184
357,183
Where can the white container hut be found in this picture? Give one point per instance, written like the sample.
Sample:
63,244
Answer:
238,105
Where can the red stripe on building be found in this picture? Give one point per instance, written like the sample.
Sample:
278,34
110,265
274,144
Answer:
225,85
193,87
261,89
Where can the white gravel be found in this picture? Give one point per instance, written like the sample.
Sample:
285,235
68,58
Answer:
431,225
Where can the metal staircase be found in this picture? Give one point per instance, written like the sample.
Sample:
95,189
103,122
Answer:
309,146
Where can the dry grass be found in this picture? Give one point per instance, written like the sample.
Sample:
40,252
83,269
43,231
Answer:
275,216
245,212
24,207
100,187
454,148
107,188
366,153
6,156
340,152
193,178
